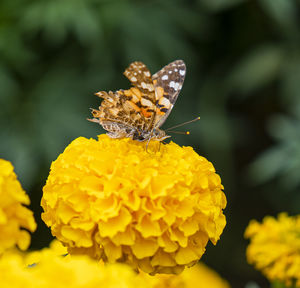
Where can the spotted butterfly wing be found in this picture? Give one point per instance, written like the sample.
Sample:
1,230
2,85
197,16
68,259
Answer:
139,76
167,85
142,94
138,112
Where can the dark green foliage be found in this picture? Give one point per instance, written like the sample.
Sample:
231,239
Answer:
243,79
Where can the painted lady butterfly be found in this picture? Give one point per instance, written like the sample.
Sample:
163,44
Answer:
140,111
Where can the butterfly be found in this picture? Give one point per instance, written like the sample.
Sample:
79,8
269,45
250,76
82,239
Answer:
139,112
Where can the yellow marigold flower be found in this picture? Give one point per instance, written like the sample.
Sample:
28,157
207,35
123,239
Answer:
14,217
197,276
55,249
60,272
13,272
154,209
274,248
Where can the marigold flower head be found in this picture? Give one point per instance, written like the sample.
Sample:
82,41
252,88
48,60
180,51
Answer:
14,217
197,276
56,271
274,248
154,209
55,249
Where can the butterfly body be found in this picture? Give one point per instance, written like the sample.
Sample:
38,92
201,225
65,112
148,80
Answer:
139,112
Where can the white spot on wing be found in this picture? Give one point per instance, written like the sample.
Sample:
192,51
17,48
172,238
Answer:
133,79
175,85
150,87
165,77
146,102
147,86
164,101
147,73
182,72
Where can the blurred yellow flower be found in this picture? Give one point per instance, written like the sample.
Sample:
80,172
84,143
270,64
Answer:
197,276
274,248
14,217
113,200
55,249
60,272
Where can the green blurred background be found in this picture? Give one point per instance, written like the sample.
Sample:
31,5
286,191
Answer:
243,79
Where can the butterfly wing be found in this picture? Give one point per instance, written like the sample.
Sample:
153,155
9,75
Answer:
144,106
140,77
142,95
133,108
167,85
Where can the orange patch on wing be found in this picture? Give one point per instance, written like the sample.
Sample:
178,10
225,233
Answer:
159,92
133,106
159,112
127,93
136,92
146,113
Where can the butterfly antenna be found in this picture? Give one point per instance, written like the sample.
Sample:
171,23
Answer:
179,125
180,132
